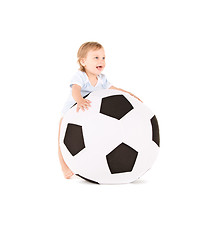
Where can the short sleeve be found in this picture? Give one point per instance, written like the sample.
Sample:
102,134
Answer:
77,79
105,83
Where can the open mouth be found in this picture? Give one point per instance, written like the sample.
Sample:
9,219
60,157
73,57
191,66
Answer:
99,67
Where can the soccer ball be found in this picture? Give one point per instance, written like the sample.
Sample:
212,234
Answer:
115,141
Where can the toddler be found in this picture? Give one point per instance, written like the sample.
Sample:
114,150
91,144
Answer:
89,78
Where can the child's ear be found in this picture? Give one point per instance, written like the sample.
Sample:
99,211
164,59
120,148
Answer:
82,61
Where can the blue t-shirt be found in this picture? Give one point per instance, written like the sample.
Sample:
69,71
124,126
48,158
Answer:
81,79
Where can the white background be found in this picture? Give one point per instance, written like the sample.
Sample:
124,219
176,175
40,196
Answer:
162,51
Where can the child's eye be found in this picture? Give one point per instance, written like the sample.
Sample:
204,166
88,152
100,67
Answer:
103,58
96,57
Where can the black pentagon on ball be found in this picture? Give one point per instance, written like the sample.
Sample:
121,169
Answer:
73,139
155,131
116,106
121,159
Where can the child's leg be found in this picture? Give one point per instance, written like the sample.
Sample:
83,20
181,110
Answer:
66,170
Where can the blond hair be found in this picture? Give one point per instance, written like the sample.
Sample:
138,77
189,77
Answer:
84,49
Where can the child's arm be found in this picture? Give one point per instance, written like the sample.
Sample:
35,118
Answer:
81,102
112,87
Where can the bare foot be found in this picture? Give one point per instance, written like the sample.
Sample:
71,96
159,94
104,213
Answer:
67,173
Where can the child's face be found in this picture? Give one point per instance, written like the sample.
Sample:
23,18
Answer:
94,62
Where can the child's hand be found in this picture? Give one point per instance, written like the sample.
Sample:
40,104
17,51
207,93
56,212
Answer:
135,97
82,104
119,89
